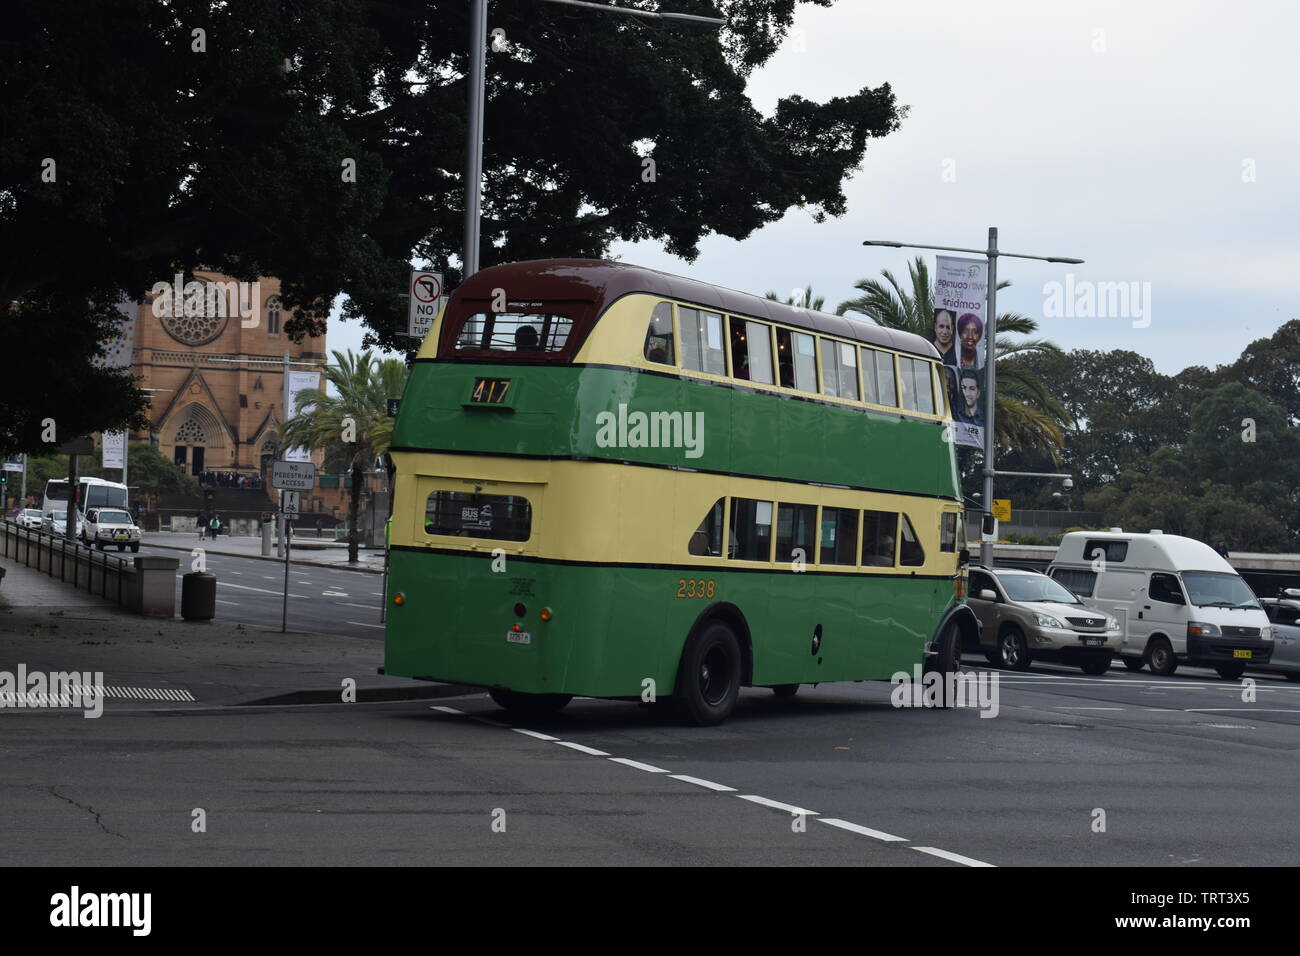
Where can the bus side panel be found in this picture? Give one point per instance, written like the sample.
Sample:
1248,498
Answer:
871,627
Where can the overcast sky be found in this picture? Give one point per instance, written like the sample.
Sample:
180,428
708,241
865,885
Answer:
1158,141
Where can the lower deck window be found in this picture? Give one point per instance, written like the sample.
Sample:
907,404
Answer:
468,515
796,531
751,528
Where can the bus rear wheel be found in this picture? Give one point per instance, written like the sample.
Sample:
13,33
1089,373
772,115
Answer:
529,705
708,678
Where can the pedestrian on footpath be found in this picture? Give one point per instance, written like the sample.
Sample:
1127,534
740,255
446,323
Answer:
215,526
201,519
320,526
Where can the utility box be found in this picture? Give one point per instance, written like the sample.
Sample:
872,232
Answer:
198,596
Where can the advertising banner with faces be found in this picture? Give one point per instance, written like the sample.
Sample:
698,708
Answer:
960,300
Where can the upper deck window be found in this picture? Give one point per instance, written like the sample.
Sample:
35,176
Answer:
702,341
839,369
751,350
659,336
514,332
878,378
796,353
917,385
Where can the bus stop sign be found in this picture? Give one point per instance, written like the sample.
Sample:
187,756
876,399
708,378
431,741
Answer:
293,475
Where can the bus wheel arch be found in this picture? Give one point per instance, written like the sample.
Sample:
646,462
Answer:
732,616
712,667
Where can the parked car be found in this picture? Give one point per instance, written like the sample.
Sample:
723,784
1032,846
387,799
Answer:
1177,600
30,518
56,522
1284,614
105,526
1025,615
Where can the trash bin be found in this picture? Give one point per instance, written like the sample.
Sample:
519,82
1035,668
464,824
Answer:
198,596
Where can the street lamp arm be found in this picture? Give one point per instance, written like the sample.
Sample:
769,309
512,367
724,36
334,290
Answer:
646,14
978,252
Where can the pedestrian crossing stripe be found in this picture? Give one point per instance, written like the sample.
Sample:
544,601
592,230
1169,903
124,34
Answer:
38,699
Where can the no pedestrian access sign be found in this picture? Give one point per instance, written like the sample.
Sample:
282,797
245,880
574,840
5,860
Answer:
426,297
293,475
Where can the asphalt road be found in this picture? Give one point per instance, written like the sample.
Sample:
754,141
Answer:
326,600
1186,772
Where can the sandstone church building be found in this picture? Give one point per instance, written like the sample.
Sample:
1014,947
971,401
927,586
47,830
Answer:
215,374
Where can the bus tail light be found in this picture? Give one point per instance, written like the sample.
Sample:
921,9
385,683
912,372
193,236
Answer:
546,614
959,587
399,598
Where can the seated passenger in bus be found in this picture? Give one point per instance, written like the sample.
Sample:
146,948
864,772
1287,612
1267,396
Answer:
525,339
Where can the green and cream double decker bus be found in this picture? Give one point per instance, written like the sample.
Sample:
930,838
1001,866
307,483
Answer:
613,482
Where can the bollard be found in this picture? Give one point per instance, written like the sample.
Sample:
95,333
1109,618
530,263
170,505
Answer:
266,538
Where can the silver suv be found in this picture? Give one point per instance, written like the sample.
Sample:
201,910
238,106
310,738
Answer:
105,526
1025,615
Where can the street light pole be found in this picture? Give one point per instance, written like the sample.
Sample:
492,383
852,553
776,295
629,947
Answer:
990,370
992,253
470,246
474,145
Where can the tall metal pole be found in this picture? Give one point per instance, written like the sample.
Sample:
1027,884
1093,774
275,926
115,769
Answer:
474,144
990,386
23,492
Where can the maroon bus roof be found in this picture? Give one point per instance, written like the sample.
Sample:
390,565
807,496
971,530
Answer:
602,283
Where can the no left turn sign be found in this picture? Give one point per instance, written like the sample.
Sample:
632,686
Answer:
426,286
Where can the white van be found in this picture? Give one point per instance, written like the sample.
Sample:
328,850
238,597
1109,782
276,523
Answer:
1176,599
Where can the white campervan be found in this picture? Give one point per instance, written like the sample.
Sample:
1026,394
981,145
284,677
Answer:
1176,599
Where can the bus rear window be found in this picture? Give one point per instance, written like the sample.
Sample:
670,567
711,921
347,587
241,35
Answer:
514,332
466,515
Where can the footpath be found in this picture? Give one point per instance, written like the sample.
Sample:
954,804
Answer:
303,550
48,626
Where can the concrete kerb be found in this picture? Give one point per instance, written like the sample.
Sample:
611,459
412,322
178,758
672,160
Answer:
263,557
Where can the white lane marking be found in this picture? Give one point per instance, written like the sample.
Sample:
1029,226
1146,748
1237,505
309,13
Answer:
334,594
234,603
1091,708
954,857
637,765
1253,710
245,587
377,593
1163,710
777,805
579,747
232,572
446,710
702,783
533,733
364,624
865,831
268,577
368,607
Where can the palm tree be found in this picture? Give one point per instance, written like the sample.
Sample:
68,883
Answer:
805,299
1029,417
357,411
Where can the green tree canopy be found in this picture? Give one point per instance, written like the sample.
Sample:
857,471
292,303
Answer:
324,144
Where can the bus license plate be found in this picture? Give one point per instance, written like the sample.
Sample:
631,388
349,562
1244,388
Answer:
518,637
1245,655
